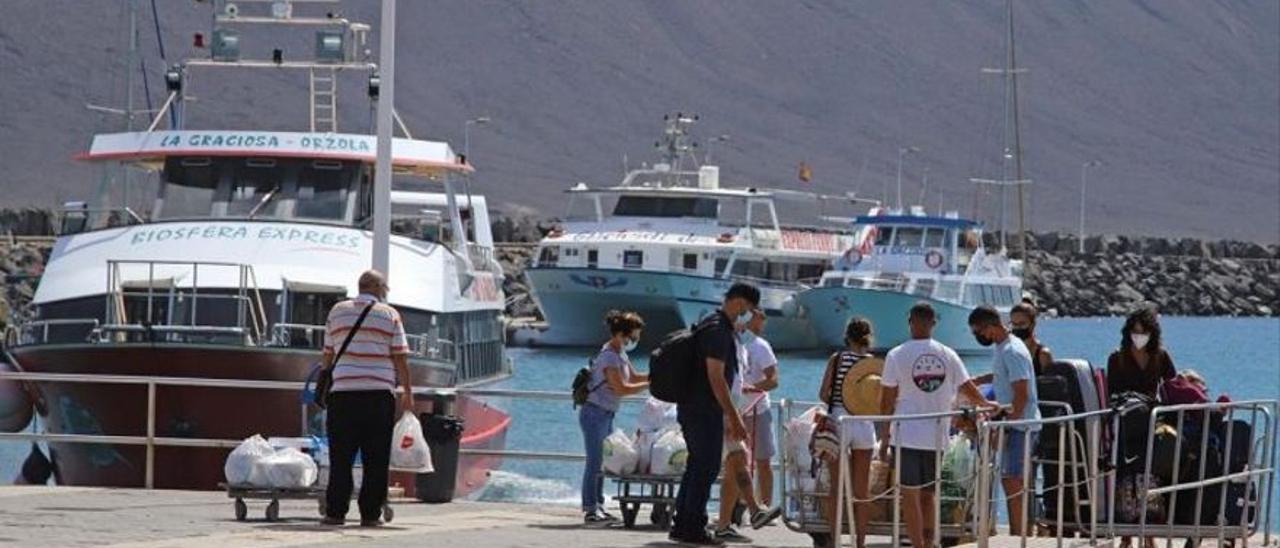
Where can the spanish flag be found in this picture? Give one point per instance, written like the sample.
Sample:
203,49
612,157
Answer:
806,172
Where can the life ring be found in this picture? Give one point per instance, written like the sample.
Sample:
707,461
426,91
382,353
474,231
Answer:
933,259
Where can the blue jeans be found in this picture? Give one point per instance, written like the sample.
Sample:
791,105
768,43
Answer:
596,423
703,428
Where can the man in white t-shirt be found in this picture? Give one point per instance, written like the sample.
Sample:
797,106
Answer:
921,376
760,377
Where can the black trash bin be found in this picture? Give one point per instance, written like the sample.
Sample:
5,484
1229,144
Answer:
444,434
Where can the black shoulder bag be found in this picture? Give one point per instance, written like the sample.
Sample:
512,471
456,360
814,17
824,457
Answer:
324,382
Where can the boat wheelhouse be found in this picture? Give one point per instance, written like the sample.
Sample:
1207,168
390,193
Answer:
226,277
908,257
667,243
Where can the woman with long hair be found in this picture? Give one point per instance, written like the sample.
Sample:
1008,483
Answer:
612,377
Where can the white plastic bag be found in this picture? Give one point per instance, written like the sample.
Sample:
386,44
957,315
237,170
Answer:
409,449
656,415
796,436
289,468
644,446
620,455
240,465
670,454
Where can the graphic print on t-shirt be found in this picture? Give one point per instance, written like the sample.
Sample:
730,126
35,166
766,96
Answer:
929,372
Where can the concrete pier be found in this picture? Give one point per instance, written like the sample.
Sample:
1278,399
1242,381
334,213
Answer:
74,516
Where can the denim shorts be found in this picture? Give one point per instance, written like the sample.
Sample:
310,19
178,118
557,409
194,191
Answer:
1015,443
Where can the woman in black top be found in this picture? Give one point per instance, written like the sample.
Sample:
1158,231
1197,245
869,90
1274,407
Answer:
1141,363
857,338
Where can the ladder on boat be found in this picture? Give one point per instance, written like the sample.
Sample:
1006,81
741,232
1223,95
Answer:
324,99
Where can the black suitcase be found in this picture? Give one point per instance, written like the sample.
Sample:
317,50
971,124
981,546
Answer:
1071,382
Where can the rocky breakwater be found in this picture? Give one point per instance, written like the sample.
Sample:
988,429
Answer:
21,263
1186,277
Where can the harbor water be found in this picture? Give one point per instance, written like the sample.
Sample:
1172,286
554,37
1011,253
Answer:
1239,357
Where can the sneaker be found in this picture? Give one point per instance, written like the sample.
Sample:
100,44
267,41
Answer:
607,515
597,518
729,535
375,522
764,517
700,539
330,520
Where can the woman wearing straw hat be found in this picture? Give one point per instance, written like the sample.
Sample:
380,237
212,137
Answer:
851,386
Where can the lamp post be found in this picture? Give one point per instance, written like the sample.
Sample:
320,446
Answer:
903,152
466,134
1084,171
382,171
466,153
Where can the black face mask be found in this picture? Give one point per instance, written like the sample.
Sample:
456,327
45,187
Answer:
1023,333
982,339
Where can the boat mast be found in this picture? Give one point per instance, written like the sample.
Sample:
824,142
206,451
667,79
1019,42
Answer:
382,170
1017,135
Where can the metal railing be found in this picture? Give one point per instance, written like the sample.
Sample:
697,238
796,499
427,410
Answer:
37,332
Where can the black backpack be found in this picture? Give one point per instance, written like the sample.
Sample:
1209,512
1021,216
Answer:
673,364
582,388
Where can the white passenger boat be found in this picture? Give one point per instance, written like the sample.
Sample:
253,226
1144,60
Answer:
226,278
667,242
905,258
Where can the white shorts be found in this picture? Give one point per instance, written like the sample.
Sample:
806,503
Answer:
862,434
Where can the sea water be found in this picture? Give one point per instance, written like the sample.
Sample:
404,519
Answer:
1238,356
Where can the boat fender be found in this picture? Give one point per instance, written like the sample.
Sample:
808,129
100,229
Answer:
933,259
37,469
852,257
16,405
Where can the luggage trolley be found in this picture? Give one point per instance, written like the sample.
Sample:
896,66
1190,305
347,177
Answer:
241,493
636,490
802,507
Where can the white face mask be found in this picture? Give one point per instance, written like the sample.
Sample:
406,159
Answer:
743,319
1139,340
630,345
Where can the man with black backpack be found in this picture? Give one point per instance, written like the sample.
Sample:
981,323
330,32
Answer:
705,408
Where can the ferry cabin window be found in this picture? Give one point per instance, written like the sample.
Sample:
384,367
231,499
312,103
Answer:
322,190
255,188
690,261
187,188
593,258
549,256
633,259
884,235
909,236
935,237
658,206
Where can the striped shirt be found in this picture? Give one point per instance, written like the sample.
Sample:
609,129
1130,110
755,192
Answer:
844,362
366,365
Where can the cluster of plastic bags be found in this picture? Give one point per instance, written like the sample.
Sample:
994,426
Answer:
255,462
657,448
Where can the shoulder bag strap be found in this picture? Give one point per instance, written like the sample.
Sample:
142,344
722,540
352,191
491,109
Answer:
350,334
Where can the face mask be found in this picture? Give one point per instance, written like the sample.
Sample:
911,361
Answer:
630,345
746,336
743,319
1023,333
982,339
1139,340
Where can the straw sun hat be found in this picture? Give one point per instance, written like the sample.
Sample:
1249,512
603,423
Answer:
861,388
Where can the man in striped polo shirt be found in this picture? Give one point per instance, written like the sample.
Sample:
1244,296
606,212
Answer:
362,403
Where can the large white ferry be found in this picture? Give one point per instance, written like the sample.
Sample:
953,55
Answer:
250,238
667,242
908,257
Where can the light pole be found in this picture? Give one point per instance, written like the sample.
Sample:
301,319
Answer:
466,134
1084,170
903,152
382,170
466,153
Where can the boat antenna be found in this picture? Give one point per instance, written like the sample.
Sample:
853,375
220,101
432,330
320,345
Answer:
382,170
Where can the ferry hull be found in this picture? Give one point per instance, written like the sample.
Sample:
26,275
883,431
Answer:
829,309
575,300
200,412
